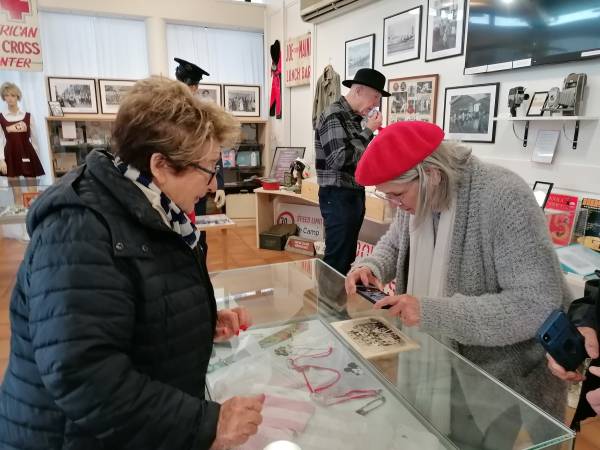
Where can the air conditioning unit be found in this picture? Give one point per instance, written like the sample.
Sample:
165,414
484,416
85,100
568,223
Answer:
316,11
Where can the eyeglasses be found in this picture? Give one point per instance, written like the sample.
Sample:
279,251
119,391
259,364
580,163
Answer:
212,173
394,199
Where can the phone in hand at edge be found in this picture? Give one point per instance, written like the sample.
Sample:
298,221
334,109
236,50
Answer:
562,340
372,294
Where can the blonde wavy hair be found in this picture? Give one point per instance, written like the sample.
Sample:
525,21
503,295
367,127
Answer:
9,87
449,159
159,115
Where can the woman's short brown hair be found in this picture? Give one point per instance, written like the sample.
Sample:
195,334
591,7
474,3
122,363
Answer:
10,87
159,115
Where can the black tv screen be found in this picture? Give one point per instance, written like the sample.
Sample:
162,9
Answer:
544,31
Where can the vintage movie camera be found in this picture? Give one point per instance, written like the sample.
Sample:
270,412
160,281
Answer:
570,99
516,96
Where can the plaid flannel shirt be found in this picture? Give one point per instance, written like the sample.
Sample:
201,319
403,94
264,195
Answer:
340,141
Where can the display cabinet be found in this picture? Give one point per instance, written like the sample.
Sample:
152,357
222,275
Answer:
338,374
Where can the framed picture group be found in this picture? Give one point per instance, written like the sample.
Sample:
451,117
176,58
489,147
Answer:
412,98
83,95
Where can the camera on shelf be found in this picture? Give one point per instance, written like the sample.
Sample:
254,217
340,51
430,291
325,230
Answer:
516,96
570,99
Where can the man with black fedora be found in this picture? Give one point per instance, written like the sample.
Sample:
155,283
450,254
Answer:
342,133
190,74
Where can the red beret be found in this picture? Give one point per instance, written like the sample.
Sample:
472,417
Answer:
396,149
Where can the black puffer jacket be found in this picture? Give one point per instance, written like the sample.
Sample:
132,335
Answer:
112,321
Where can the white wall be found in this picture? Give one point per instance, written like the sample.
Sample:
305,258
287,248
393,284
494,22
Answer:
576,171
212,13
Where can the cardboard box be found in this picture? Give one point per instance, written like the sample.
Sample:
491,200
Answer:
241,206
377,208
310,190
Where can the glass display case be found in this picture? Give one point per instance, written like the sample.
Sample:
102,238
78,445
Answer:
338,374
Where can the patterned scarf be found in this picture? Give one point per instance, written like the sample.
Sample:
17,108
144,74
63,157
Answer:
180,222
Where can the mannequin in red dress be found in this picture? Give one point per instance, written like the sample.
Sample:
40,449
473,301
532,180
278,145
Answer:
20,158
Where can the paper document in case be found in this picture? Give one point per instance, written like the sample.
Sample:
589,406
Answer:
578,259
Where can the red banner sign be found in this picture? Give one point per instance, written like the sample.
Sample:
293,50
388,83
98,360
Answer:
20,47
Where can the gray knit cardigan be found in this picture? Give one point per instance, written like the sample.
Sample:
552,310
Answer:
503,280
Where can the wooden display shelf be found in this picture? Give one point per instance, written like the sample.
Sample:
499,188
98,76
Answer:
83,118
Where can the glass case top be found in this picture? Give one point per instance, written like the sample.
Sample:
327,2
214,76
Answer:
339,374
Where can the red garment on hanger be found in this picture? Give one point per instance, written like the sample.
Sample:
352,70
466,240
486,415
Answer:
275,99
20,156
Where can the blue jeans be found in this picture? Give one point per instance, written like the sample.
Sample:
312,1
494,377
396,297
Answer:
343,211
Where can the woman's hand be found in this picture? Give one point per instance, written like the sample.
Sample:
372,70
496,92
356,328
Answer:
593,397
591,346
239,419
3,168
365,276
406,307
230,322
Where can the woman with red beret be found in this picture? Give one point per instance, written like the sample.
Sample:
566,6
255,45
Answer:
470,255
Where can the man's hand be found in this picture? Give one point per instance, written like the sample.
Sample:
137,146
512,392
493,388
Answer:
406,307
593,397
230,322
239,419
220,198
591,346
374,122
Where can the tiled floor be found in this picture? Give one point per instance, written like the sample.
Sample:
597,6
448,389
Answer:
236,248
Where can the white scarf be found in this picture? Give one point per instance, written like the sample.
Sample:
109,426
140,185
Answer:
427,271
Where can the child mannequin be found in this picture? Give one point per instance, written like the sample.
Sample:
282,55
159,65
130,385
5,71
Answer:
20,158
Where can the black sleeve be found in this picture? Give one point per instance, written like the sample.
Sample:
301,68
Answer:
582,313
82,317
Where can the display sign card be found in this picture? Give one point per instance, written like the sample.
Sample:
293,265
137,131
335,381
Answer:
307,218
20,47
298,57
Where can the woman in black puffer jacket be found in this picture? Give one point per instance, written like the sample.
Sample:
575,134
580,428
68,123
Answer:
113,314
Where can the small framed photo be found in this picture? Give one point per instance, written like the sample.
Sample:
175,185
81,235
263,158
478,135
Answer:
360,54
412,98
469,112
402,36
112,93
210,92
282,159
55,109
445,28
243,101
75,95
537,103
541,191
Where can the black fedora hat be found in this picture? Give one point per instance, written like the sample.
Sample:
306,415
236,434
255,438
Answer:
369,77
189,73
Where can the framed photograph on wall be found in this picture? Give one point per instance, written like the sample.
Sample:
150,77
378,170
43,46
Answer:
469,112
282,159
112,93
402,36
360,53
75,95
537,103
445,29
210,92
243,101
412,98
55,109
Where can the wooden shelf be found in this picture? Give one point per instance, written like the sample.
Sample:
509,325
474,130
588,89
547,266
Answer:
251,119
83,118
545,118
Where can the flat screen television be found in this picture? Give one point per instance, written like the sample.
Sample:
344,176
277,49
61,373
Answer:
508,34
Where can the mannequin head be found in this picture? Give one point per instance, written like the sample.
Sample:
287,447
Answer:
10,93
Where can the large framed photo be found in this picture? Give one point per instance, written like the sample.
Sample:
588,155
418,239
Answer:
469,112
412,98
374,337
210,92
243,101
112,93
445,29
360,54
402,36
75,95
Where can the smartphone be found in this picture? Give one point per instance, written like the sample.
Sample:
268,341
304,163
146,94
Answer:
371,293
562,340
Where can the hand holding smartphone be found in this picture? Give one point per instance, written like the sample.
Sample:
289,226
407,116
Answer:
372,294
562,341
